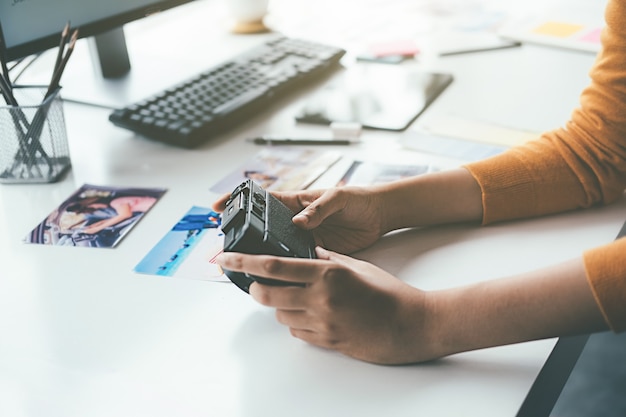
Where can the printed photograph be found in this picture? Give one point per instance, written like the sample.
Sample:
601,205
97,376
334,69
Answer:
281,168
363,173
189,249
95,216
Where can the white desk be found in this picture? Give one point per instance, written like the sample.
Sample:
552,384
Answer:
82,335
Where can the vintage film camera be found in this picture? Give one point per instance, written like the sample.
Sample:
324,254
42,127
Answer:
255,222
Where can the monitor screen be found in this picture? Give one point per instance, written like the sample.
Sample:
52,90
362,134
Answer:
31,26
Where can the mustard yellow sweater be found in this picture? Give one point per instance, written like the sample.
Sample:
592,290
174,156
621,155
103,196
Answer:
580,165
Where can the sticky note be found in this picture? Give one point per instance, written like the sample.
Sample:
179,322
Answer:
592,36
396,47
557,29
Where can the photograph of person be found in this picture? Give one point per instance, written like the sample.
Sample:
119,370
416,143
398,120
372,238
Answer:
95,216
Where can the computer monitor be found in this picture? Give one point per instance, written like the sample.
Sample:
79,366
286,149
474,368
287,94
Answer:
31,26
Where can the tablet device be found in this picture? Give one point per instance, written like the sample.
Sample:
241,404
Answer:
378,96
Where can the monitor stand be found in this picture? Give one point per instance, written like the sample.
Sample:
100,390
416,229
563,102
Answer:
109,53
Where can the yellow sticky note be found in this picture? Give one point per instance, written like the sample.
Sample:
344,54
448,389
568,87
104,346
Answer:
557,29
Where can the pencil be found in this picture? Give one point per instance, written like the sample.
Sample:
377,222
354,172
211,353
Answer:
3,61
6,87
64,34
58,72
6,90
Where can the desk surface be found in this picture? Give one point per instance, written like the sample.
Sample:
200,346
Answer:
83,335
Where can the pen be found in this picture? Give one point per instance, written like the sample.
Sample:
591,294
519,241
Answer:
266,140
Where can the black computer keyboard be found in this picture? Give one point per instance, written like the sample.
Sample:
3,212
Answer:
197,109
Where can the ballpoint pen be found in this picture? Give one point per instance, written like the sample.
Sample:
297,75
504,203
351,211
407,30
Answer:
342,133
275,140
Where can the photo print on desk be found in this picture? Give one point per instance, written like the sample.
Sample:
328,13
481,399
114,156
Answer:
95,216
189,248
281,168
364,173
463,139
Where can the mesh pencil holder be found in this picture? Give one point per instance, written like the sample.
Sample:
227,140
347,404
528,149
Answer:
33,138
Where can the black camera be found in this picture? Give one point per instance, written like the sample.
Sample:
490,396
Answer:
256,222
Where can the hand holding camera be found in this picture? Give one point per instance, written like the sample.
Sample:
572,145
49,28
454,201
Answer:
255,222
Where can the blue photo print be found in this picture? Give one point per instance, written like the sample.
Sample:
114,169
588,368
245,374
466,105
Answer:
189,249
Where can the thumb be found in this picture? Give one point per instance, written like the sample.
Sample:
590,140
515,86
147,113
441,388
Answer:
315,213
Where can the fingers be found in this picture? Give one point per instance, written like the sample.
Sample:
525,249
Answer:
290,298
220,204
298,200
304,326
336,258
312,207
317,211
296,270
313,337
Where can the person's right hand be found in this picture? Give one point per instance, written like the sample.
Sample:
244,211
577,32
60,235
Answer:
343,219
345,304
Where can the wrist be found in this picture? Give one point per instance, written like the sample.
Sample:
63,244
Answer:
450,326
443,325
424,326
430,199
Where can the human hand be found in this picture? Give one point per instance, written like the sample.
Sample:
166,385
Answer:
343,219
347,305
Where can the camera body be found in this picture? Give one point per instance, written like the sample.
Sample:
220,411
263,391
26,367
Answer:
256,222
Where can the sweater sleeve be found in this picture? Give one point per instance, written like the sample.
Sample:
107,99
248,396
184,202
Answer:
580,165
606,266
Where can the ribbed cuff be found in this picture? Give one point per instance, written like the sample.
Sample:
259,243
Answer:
606,273
507,188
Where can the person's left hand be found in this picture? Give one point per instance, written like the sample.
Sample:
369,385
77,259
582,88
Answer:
346,304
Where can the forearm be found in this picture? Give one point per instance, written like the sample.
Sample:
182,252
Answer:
551,302
443,197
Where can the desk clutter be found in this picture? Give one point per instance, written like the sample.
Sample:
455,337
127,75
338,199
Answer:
194,111
96,216
33,148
